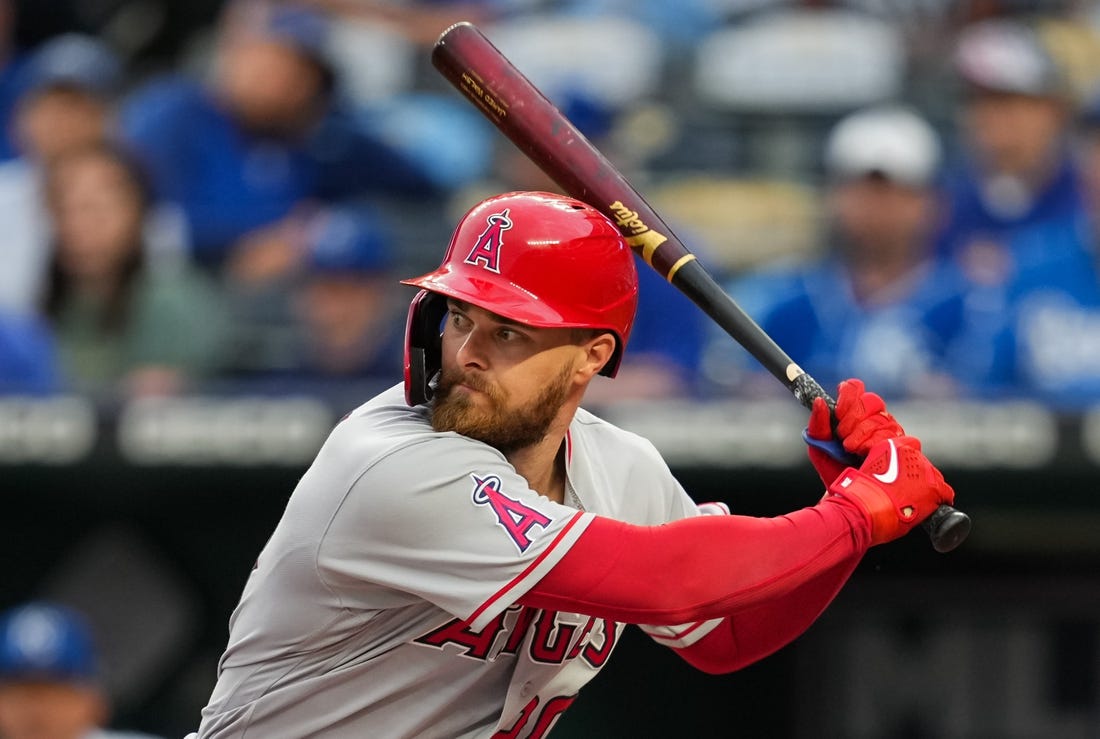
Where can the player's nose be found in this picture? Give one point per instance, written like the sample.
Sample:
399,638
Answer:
471,351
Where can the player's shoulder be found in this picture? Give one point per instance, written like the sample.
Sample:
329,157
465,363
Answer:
589,429
387,406
385,420
386,427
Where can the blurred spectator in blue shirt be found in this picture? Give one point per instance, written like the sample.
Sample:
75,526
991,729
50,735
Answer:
1016,170
878,306
348,301
50,676
1052,311
67,89
1020,223
345,323
28,357
662,358
1050,296
66,95
242,153
121,326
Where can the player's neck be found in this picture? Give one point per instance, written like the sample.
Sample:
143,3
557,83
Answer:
543,465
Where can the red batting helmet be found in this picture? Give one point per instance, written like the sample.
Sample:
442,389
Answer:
537,258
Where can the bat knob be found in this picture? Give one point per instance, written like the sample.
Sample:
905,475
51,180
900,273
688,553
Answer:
947,527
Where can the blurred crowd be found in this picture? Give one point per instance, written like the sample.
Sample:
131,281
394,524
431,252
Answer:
908,192
221,196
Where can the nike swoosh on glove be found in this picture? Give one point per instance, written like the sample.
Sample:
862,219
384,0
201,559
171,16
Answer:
896,486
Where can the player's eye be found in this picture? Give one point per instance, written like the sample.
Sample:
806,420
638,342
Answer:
457,319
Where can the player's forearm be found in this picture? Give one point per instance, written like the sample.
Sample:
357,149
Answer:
755,633
700,568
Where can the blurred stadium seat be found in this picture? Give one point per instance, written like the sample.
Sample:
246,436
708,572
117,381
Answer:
375,62
742,223
611,59
773,83
800,61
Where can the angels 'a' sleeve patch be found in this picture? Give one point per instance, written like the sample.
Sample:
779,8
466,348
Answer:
519,521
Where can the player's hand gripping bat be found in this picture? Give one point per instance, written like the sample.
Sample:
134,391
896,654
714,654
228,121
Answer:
515,106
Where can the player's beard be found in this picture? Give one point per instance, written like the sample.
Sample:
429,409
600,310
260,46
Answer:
504,428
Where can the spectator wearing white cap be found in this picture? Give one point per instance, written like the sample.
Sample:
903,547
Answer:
878,304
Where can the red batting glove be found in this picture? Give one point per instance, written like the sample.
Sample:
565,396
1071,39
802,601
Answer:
896,486
862,422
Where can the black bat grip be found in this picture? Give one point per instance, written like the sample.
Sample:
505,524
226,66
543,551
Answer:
947,527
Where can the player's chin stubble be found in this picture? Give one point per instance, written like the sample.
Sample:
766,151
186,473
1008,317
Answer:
506,429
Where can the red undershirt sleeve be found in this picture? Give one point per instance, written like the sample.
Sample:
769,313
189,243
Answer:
754,633
768,578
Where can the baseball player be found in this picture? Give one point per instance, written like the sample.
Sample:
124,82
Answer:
466,549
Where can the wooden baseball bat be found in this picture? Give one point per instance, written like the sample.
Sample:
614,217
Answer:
522,113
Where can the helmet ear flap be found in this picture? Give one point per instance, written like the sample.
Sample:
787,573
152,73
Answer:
423,346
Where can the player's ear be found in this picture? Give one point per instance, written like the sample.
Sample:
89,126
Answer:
598,350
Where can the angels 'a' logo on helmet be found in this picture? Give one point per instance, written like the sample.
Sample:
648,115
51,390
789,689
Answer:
486,250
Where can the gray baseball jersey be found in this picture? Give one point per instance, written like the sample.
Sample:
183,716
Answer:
385,602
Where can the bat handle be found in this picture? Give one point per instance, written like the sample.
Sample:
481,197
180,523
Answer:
947,527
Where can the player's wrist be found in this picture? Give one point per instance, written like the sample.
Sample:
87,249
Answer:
888,518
